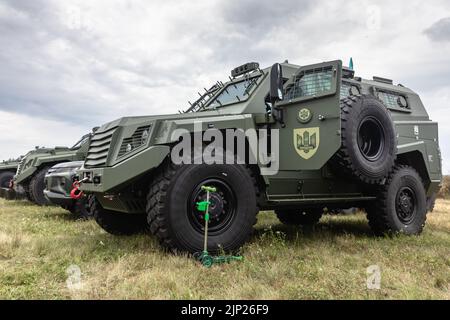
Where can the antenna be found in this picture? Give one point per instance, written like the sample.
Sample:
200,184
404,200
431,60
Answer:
350,65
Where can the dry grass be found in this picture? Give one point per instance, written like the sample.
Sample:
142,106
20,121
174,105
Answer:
444,192
38,245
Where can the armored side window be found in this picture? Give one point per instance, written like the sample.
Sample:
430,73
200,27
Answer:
349,89
310,83
393,100
345,89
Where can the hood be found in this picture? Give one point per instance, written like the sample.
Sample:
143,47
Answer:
126,121
74,164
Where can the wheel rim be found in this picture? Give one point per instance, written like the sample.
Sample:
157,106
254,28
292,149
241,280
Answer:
371,139
406,205
222,209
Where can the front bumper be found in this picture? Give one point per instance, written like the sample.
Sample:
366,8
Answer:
102,180
58,199
58,186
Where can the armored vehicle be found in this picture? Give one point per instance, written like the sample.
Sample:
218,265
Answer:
58,185
7,170
32,168
336,140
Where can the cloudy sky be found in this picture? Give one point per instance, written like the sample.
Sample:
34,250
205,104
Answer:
66,66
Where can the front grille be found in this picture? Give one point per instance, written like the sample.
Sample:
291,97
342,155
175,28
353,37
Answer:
99,149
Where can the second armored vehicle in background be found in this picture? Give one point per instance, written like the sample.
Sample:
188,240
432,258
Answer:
7,170
35,164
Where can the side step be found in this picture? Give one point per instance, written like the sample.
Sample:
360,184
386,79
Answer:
289,200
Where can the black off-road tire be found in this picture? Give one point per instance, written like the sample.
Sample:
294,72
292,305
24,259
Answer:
369,142
117,223
299,217
80,209
171,218
5,178
37,187
28,195
391,212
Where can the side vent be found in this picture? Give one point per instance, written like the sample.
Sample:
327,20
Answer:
138,139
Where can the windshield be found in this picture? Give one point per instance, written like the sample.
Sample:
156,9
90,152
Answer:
80,143
234,92
221,94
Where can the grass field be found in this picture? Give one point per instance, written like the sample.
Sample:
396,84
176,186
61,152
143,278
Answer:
42,250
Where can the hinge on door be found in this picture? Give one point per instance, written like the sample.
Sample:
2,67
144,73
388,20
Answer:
300,186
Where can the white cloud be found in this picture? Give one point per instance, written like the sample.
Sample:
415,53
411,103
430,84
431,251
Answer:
20,133
83,63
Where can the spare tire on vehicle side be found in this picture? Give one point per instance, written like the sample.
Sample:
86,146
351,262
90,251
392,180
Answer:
369,145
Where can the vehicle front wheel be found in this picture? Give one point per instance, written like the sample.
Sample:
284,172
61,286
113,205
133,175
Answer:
117,223
37,187
175,220
299,217
29,196
401,204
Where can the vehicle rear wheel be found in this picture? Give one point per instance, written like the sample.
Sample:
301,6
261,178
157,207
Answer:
175,220
117,223
37,187
5,178
401,205
298,217
368,149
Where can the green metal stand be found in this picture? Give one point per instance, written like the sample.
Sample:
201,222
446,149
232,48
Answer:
204,257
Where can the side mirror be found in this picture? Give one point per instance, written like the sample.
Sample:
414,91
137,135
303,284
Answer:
276,83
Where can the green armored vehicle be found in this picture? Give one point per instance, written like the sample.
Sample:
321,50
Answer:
7,170
334,141
32,168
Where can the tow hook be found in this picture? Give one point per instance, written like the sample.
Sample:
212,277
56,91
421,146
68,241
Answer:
76,193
